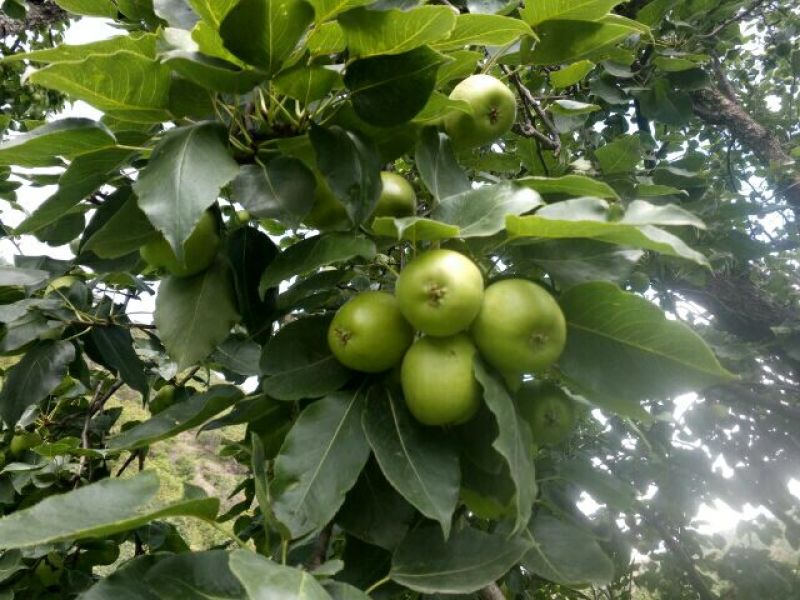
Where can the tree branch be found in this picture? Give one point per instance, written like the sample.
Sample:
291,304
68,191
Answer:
527,128
39,16
320,550
738,17
491,592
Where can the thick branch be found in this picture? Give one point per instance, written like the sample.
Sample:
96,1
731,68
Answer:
491,592
715,107
674,545
45,14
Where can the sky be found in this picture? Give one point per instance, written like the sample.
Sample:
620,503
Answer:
718,518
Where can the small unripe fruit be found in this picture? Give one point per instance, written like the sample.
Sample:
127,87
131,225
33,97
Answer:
494,110
397,197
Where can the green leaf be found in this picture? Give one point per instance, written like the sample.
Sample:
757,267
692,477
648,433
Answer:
305,83
566,554
577,261
282,190
115,345
90,8
621,155
239,355
570,41
327,38
124,85
14,276
576,10
419,462
343,591
249,251
662,103
325,10
485,30
213,11
308,255
274,27
619,345
572,185
213,73
198,575
463,64
650,190
390,90
437,165
85,174
482,212
589,218
194,314
571,74
181,416
640,212
468,561
186,171
35,376
298,362
264,579
370,32
374,512
572,108
125,231
414,229
97,510
66,138
513,443
351,167
137,42
320,460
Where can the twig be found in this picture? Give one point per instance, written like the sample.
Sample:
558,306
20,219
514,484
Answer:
528,129
98,400
187,378
320,550
127,462
491,592
733,19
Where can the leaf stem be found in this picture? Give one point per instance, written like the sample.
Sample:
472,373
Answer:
241,543
377,584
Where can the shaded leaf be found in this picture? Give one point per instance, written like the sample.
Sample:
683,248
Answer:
282,190
264,579
44,145
115,345
437,165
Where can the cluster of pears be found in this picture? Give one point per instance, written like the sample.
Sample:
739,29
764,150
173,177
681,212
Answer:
515,325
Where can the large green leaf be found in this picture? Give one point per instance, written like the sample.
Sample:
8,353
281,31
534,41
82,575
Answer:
194,314
181,416
374,512
14,276
138,43
437,165
34,377
327,9
620,155
576,261
273,28
571,74
320,460
619,345
213,73
183,178
390,90
307,83
370,32
419,462
115,346
266,580
468,561
282,190
45,145
570,41
576,10
590,218
572,185
485,30
298,363
414,229
304,257
513,443
97,510
351,167
85,174
189,575
482,212
90,8
124,85
566,554
125,231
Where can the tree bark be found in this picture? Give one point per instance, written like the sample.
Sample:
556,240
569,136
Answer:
715,107
491,592
40,15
